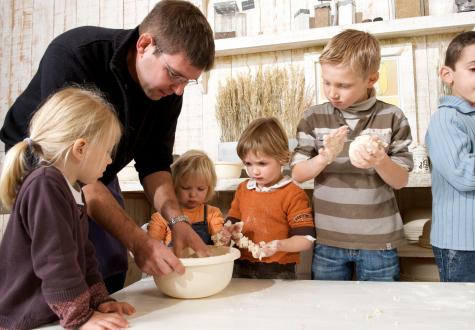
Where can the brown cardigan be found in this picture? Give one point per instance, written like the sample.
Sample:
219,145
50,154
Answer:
47,262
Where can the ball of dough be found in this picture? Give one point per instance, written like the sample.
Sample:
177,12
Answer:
362,140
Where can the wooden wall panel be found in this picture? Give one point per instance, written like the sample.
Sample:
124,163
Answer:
134,12
221,70
42,34
21,46
111,13
191,120
65,16
6,39
88,12
275,16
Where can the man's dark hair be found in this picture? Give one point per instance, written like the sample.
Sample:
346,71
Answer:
179,26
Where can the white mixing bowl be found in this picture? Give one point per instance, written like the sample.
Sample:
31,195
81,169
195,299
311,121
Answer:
203,277
228,170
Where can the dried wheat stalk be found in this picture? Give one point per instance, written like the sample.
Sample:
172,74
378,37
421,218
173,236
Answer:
277,92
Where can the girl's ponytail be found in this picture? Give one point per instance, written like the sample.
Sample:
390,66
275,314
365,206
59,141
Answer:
18,162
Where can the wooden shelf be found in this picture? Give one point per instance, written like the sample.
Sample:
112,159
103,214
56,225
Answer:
414,250
404,27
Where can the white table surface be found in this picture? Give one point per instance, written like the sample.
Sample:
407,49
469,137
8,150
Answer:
305,304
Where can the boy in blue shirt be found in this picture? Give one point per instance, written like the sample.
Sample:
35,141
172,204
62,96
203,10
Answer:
451,139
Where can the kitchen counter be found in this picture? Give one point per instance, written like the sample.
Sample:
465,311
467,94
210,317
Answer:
277,304
415,180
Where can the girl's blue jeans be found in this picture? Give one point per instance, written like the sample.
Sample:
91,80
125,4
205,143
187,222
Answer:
338,264
455,265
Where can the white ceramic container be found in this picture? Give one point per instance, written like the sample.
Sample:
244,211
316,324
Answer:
228,170
203,277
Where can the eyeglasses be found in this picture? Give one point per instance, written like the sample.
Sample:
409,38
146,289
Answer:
176,78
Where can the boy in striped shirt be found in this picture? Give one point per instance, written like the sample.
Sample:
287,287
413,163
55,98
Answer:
356,215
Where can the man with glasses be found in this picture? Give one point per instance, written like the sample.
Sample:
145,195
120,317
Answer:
143,73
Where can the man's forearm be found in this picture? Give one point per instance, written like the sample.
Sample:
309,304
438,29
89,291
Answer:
107,212
160,191
159,188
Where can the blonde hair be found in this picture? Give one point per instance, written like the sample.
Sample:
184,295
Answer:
67,115
357,49
265,136
194,164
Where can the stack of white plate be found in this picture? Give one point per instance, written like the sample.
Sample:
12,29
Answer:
413,229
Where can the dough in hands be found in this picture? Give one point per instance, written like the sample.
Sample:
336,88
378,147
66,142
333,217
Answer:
367,142
333,144
241,241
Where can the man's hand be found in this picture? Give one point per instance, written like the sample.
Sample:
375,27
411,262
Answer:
333,144
154,258
184,236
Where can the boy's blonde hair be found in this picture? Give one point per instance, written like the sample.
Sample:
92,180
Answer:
265,136
194,164
357,49
67,115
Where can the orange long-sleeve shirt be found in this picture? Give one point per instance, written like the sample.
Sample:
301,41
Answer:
273,215
158,226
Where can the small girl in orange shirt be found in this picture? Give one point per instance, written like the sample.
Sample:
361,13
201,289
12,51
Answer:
273,213
194,179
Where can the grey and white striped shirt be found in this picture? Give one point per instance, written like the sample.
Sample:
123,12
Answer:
354,208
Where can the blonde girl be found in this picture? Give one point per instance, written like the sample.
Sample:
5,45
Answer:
194,179
273,209
48,269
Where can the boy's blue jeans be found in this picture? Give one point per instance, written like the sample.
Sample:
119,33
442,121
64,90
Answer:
337,264
455,265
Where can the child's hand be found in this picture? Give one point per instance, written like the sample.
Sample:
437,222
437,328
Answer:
270,248
236,229
333,144
223,237
229,232
117,307
369,155
110,321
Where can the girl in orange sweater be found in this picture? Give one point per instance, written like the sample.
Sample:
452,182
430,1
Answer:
194,179
273,212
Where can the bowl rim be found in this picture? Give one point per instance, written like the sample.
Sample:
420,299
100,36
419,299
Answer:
232,255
